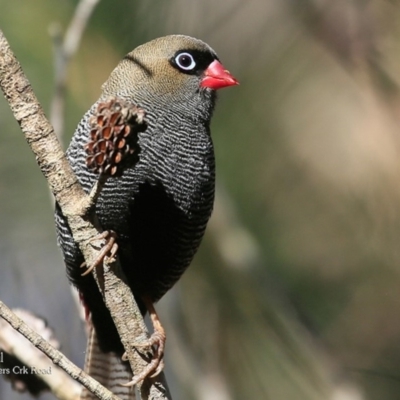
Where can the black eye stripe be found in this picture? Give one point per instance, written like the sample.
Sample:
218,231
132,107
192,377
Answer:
202,60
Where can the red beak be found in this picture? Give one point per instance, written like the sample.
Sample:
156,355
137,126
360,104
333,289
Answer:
217,77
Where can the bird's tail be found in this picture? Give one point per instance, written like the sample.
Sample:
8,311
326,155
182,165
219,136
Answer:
108,369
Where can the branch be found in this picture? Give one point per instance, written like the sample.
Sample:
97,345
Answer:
63,52
38,372
56,356
75,204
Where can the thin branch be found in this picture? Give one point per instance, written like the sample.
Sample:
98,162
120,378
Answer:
57,357
64,50
74,204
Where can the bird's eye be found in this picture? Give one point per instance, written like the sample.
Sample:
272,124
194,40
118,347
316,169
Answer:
185,61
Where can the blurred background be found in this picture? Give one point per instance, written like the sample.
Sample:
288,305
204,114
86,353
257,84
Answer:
295,292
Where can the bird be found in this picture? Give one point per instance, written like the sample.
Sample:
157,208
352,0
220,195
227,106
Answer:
159,206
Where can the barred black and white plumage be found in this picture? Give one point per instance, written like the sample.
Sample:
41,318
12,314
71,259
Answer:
159,208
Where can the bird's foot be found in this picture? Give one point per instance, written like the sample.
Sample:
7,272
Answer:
157,342
109,249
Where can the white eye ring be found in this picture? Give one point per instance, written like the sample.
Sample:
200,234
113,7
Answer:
185,61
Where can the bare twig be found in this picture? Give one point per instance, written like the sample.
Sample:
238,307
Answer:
57,357
64,50
74,204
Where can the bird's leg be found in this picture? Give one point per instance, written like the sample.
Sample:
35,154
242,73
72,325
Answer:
157,340
109,249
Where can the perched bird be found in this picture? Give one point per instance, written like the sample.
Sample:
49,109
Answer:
158,207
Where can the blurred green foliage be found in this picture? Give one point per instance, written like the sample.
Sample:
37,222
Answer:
295,293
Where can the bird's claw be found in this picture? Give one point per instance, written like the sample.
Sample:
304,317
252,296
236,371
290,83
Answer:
155,366
155,341
109,249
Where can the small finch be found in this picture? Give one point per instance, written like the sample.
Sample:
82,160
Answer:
159,204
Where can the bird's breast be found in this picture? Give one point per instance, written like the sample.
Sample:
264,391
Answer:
170,208
178,154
